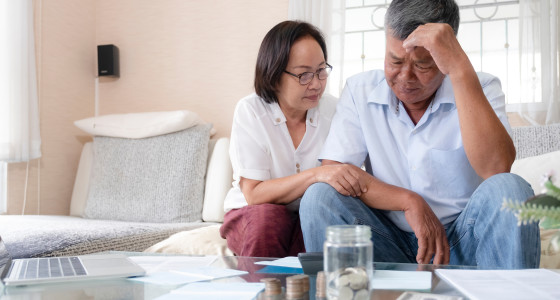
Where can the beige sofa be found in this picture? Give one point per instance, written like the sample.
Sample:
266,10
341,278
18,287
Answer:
538,150
130,166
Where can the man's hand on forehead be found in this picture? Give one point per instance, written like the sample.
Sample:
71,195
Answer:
440,41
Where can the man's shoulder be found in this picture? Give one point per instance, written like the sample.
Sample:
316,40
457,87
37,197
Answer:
370,78
486,78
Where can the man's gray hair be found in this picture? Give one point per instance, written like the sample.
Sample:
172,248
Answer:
403,16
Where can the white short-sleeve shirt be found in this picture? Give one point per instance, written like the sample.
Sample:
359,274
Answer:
261,147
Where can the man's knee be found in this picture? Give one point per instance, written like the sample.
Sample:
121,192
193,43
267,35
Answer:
316,196
506,186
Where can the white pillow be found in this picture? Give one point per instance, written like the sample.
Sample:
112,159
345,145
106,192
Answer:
533,168
200,241
139,125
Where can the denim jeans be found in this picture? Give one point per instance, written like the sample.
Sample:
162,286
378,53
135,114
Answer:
483,234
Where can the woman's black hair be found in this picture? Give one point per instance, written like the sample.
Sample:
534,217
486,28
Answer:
274,54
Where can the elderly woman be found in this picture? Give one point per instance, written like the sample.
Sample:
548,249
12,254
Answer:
276,137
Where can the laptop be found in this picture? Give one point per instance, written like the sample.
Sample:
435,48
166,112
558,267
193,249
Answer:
28,271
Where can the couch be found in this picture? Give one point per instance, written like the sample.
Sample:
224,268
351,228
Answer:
138,216
538,151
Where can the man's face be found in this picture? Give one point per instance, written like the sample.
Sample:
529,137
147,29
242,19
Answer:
414,77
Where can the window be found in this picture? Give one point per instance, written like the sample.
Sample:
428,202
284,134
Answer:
489,34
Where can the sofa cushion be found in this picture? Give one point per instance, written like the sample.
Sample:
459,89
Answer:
156,179
201,241
533,168
139,125
41,235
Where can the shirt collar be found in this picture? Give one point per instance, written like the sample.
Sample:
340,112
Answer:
382,94
312,117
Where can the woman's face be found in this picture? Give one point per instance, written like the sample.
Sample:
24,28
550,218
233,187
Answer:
305,56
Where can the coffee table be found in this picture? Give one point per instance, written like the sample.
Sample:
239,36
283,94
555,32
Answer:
127,289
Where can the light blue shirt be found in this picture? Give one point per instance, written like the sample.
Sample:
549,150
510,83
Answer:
427,158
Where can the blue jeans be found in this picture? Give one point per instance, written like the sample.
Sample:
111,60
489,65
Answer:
483,235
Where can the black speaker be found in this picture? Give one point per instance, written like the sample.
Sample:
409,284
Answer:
108,60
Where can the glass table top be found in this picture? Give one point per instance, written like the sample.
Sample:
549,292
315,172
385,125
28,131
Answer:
129,289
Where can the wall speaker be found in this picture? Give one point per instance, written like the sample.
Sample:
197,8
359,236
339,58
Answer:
107,60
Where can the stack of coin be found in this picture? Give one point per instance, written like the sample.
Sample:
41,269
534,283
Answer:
272,288
304,285
348,283
294,287
321,286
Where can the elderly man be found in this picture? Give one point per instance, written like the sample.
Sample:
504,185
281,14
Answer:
433,137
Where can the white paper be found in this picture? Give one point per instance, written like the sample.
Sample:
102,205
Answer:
218,290
289,262
402,280
167,278
153,263
175,270
504,284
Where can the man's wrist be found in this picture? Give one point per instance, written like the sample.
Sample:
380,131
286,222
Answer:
412,201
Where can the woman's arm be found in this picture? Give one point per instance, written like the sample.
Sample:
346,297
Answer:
345,178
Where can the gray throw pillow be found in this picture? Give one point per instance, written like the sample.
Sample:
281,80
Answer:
158,179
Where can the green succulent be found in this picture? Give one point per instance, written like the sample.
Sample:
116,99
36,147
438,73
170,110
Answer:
543,208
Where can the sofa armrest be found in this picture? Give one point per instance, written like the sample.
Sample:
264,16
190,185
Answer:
219,177
81,183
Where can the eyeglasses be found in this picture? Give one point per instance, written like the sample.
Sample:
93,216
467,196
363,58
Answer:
306,77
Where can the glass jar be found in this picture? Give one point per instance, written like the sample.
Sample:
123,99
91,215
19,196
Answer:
348,262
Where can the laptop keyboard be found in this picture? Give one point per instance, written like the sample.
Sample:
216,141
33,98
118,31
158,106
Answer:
51,267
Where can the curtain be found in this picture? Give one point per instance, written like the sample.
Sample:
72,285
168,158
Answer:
19,119
539,56
329,16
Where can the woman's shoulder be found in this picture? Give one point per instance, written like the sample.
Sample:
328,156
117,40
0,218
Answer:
252,102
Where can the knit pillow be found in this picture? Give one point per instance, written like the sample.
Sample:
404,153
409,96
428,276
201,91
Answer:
158,179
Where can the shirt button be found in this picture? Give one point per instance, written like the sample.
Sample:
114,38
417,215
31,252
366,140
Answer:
297,165
413,168
278,120
297,171
310,120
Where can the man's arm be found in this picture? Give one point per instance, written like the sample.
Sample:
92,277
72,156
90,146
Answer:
487,143
432,240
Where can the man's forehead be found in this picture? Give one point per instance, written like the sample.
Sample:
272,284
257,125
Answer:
395,50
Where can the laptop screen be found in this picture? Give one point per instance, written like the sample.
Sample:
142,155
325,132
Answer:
5,259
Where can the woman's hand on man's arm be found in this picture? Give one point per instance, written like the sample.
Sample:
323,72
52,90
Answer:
347,179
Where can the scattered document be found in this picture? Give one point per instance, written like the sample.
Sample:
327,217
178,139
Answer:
216,290
182,276
402,280
153,263
504,284
177,270
289,262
